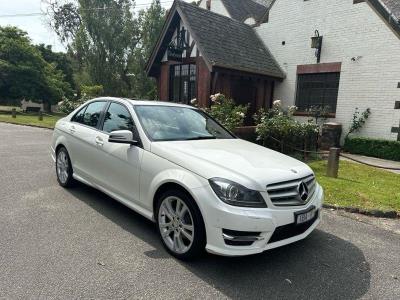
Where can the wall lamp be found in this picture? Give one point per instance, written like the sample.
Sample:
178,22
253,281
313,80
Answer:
316,43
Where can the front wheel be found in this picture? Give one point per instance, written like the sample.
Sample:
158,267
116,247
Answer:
64,168
180,225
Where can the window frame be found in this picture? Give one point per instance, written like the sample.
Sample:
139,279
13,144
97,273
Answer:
172,78
303,112
84,110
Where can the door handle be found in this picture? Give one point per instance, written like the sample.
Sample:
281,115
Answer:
99,141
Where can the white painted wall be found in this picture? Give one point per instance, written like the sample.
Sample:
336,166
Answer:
216,6
349,30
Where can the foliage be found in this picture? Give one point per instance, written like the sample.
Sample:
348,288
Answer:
373,147
277,127
319,113
67,106
92,90
150,23
358,120
24,73
61,61
110,43
225,111
359,186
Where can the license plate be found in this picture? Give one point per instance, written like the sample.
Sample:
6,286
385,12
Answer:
305,217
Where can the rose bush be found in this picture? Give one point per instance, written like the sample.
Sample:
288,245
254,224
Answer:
225,111
277,129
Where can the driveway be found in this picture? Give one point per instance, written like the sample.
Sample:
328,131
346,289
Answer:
79,243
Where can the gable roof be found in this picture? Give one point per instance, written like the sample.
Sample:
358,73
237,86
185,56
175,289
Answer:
243,9
389,10
393,6
222,41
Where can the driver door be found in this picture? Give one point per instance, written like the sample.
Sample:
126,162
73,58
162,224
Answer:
120,167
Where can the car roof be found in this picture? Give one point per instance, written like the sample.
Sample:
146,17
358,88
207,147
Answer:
145,102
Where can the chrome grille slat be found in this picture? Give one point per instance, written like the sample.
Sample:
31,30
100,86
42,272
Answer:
286,194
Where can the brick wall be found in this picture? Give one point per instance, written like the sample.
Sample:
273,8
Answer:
349,31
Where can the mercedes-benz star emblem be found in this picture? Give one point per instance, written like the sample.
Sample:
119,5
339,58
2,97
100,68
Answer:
302,189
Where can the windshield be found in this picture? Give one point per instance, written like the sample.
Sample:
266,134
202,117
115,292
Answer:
172,123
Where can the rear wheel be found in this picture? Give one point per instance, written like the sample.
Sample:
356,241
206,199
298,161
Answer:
64,168
180,225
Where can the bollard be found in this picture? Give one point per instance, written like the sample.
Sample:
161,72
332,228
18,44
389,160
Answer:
40,116
333,163
14,113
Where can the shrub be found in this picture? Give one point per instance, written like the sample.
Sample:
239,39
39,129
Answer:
373,147
358,120
277,129
225,111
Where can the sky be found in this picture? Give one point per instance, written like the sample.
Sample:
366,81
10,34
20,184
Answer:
36,25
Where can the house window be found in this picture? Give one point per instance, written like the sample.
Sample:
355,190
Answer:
183,83
319,89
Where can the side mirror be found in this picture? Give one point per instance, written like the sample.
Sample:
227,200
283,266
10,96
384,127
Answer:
122,137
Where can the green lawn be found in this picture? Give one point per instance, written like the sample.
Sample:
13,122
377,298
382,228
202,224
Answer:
360,186
48,121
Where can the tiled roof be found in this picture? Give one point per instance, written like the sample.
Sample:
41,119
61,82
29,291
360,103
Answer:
393,7
228,43
243,9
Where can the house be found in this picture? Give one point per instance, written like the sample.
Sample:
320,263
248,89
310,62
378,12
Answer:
341,55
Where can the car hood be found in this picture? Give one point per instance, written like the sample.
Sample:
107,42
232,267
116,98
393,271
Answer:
246,163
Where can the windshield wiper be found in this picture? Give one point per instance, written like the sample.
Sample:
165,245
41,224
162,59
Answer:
211,137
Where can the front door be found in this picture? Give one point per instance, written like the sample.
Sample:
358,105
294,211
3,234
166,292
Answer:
120,168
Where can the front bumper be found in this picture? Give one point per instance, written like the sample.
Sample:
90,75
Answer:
219,216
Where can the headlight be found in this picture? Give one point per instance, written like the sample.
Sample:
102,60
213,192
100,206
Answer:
235,194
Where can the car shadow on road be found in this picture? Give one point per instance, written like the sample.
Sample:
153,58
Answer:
319,267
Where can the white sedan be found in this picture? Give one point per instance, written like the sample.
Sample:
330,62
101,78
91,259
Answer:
175,165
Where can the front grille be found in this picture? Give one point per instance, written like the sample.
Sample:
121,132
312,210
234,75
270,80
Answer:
286,193
290,230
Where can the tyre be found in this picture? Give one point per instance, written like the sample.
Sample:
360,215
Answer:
64,168
180,225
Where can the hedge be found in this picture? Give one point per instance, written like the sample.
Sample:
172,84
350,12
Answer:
373,147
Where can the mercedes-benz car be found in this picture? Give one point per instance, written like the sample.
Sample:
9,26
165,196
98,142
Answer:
205,188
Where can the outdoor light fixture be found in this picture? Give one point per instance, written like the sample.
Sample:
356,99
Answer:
316,43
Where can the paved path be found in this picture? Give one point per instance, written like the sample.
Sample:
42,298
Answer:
375,161
79,243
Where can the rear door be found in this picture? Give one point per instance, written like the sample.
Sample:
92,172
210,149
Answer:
83,146
120,168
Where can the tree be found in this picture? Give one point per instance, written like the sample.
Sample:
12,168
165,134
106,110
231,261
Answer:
110,43
151,22
102,34
62,62
24,73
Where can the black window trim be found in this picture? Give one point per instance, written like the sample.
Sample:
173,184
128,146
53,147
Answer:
85,107
101,121
171,81
304,112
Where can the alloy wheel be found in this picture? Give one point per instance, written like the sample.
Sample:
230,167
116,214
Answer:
62,166
176,224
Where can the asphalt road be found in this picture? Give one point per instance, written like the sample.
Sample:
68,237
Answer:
79,243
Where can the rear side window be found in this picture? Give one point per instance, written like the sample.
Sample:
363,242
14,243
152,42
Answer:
79,116
90,114
117,118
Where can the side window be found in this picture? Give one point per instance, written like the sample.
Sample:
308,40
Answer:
92,113
79,115
117,118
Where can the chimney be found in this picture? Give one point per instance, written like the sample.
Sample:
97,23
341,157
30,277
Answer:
208,4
